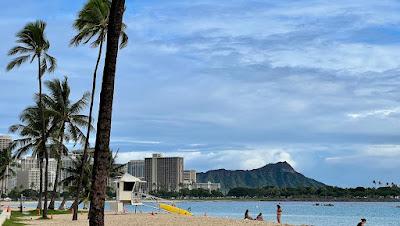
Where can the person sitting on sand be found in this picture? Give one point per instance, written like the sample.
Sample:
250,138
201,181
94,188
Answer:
362,222
259,217
247,216
278,213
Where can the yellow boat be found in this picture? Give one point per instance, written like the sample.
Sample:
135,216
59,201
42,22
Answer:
174,209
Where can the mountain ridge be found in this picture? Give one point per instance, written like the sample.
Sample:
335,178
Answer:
280,174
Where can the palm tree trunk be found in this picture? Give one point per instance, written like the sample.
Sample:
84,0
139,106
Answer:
61,151
85,149
53,194
62,205
102,154
39,206
2,188
46,182
46,155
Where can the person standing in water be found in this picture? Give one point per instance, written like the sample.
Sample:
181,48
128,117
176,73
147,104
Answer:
362,222
278,213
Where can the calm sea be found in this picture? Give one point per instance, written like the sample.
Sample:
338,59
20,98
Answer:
297,213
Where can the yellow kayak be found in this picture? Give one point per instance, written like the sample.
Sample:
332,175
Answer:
174,209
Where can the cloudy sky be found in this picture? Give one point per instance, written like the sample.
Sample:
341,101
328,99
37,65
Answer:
238,84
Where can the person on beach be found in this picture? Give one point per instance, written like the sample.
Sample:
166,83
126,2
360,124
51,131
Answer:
278,213
247,216
259,217
362,222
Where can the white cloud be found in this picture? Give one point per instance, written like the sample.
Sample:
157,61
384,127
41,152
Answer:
352,57
227,159
383,156
386,151
133,141
382,113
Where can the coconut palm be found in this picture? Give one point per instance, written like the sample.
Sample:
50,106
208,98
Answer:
33,44
101,154
68,116
7,164
31,137
74,173
92,26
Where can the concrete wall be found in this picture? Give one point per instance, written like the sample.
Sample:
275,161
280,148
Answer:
3,216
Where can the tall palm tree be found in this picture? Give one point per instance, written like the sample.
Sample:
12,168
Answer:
74,173
92,26
32,139
102,151
7,162
33,44
68,116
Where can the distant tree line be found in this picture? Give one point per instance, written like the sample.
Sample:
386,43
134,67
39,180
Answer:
186,193
310,192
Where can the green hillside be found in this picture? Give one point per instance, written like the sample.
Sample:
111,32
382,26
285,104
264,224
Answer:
280,174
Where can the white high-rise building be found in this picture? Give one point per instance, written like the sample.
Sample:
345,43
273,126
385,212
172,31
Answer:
28,174
30,179
67,162
189,176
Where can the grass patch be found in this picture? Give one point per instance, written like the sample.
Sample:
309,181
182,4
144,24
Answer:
15,219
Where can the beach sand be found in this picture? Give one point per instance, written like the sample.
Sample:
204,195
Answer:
147,220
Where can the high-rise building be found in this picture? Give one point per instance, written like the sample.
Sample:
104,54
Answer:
136,168
28,163
163,173
30,179
189,176
68,162
28,173
5,142
207,186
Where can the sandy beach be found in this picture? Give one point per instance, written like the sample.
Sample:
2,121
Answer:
147,219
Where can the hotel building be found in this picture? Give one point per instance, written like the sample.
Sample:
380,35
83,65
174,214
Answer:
163,173
136,168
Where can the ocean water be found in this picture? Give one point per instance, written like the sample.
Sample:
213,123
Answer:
296,213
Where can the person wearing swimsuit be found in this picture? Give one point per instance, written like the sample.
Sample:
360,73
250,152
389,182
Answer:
278,213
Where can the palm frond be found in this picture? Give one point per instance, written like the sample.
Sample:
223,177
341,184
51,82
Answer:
17,62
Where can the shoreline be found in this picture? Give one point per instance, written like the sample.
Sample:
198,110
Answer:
146,219
5,203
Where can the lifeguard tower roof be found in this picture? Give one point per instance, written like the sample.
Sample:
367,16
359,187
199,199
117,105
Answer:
129,178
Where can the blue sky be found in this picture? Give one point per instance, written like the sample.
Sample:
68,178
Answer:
237,84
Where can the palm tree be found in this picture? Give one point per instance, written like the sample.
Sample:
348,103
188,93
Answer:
74,173
92,24
32,138
67,115
102,150
33,44
7,162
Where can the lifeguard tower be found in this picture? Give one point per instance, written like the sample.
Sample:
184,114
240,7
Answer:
127,186
130,190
